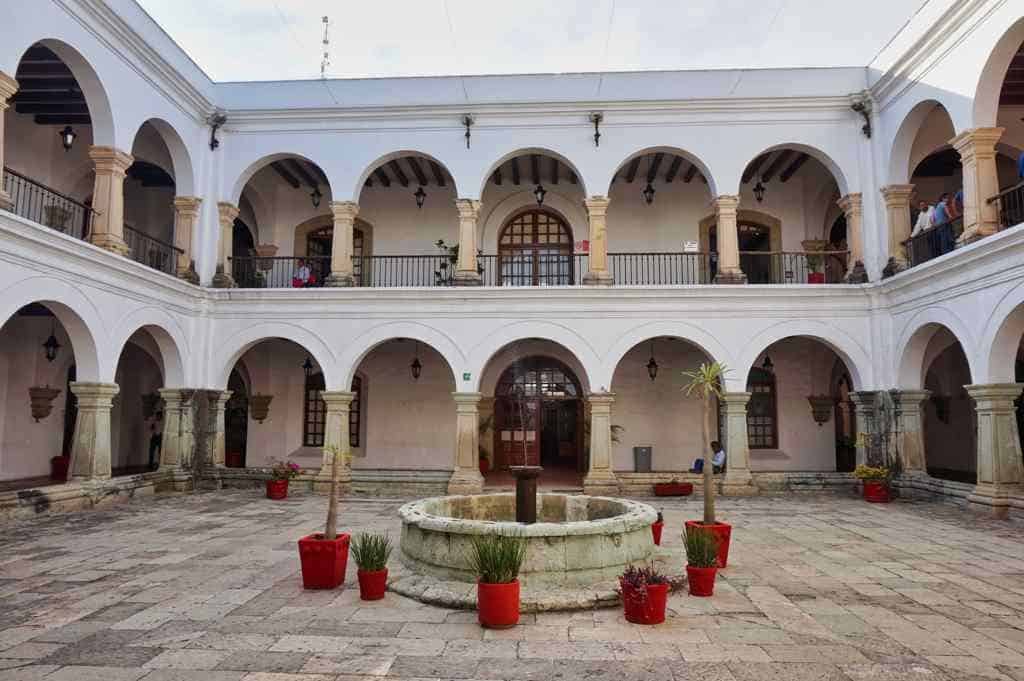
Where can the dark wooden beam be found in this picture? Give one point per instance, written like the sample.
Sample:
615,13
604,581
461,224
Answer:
554,171
299,168
43,69
572,177
535,168
690,172
631,173
36,97
55,108
48,84
285,174
782,158
403,179
382,177
652,171
496,176
438,173
414,163
673,169
793,167
515,171
703,179
369,182
753,167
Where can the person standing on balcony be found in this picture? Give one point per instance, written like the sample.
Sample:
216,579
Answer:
940,215
303,276
924,218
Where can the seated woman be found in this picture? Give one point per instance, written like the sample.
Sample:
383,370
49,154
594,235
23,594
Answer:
717,459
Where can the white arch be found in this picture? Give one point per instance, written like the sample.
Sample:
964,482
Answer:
168,334
913,344
264,161
577,345
680,330
181,160
394,155
812,151
676,151
990,81
232,349
526,151
1001,339
357,350
903,143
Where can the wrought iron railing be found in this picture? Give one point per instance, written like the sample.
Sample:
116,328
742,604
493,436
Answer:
533,269
931,243
35,201
794,267
388,271
280,272
1010,203
151,251
660,269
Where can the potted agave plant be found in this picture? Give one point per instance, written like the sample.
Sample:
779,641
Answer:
706,382
875,483
371,553
280,474
657,527
701,561
496,559
645,594
324,556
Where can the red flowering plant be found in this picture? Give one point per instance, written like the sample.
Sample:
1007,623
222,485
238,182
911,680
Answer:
285,470
634,581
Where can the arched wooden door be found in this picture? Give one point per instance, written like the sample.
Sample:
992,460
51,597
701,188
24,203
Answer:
538,411
535,249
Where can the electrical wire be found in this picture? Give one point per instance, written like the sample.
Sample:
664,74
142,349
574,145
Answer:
607,43
455,47
298,43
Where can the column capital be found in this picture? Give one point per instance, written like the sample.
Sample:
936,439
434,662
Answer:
187,206
219,398
337,399
110,160
469,209
8,87
469,399
977,141
862,398
342,210
989,395
897,195
596,205
95,394
227,213
851,203
913,397
173,397
726,202
601,399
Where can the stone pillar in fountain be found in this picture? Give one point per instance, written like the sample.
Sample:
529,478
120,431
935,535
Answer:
466,478
600,478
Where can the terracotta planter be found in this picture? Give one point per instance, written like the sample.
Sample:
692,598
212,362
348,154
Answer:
701,580
815,277
323,561
277,489
722,532
59,468
673,489
372,584
646,608
233,459
485,466
877,491
497,605
656,529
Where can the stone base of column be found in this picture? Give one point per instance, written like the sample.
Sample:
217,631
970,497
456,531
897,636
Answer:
467,279
5,201
893,267
322,485
738,483
598,279
465,482
993,500
336,280
975,232
222,280
857,274
730,278
188,274
109,242
176,478
600,483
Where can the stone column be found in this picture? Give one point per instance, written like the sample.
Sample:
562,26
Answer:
90,452
466,478
336,436
466,273
600,478
218,400
108,198
597,216
178,438
186,215
226,213
342,270
853,208
1000,468
729,270
977,149
864,411
738,481
8,86
897,209
911,431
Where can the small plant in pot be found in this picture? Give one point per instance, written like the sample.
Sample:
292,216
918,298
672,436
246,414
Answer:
875,483
701,561
673,488
324,556
371,553
706,383
280,473
496,559
657,527
644,593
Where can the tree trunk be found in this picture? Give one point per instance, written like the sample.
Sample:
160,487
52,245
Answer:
709,466
331,531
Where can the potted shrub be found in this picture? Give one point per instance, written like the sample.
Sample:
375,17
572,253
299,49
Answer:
706,382
371,553
657,527
324,556
673,488
813,251
280,474
496,559
701,561
875,483
645,594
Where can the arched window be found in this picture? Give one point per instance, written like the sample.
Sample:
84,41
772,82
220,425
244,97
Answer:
355,412
762,414
314,412
535,249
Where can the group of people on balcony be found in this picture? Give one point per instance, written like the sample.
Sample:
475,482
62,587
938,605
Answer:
946,210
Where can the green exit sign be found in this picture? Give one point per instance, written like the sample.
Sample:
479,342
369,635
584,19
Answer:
466,375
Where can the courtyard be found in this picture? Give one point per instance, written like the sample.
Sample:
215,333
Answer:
205,586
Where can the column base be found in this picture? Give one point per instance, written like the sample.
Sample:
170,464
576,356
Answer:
188,274
109,242
738,484
600,483
598,279
976,232
893,267
465,482
337,280
993,500
467,279
5,201
730,278
857,274
221,280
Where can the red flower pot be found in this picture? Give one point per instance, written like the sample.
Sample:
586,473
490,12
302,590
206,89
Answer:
497,605
233,459
59,468
323,561
815,277
701,580
877,491
646,608
485,466
722,532
277,489
673,489
656,529
372,584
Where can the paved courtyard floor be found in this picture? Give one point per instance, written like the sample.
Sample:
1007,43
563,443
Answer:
205,587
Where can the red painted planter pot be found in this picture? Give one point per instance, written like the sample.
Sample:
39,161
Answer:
372,584
277,489
815,277
673,489
701,580
497,605
645,609
722,531
877,491
323,561
59,468
656,529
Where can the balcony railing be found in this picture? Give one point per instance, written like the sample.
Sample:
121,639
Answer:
151,251
388,271
932,243
281,272
37,202
660,269
794,267
1010,203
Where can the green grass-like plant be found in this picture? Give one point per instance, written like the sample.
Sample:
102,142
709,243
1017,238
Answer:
496,558
701,548
371,551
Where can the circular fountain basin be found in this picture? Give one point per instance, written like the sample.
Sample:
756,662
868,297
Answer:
577,540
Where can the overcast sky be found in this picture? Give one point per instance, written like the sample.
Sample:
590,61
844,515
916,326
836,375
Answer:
280,39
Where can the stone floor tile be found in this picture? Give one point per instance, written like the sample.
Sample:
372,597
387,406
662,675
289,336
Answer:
573,650
392,647
528,632
701,671
723,652
31,650
957,665
29,672
277,676
94,673
215,640
263,660
478,649
826,654
445,631
311,644
192,675
365,665
894,672
785,671
188,659
442,666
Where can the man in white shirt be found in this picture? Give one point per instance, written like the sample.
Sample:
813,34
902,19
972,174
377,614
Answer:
302,275
924,218
717,459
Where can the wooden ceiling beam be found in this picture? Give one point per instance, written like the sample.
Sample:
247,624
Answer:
652,170
299,168
572,177
55,108
690,172
37,97
438,173
396,169
673,169
631,172
62,119
753,167
496,176
535,168
515,171
782,158
48,85
554,171
285,174
417,170
382,176
793,167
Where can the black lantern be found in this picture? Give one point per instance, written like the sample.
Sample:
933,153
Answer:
416,367
315,197
539,193
652,364
767,365
759,191
648,194
307,367
67,137
51,346
421,196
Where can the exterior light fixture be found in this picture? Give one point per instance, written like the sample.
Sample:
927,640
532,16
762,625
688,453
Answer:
539,193
648,194
416,367
67,137
421,196
51,346
307,367
652,364
315,197
596,119
767,365
759,191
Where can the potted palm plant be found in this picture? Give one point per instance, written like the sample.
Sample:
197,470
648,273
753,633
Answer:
875,483
324,556
371,553
645,594
280,473
657,527
706,382
701,561
496,559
